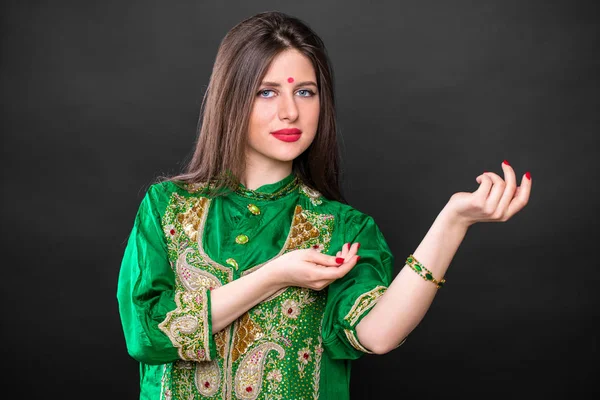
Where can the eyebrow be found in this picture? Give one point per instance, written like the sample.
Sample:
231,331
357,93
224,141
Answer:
275,84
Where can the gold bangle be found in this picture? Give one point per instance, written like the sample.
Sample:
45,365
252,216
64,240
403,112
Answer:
423,272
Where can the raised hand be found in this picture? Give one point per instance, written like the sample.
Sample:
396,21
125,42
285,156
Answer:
496,200
311,269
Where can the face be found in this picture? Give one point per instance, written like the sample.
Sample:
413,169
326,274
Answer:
285,113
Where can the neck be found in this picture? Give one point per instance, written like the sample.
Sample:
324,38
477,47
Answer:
265,172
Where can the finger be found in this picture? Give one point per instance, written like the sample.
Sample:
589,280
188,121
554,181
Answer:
485,185
345,249
339,272
324,259
521,197
352,251
509,190
498,185
338,254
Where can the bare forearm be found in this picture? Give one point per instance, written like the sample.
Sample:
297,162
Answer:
408,298
230,301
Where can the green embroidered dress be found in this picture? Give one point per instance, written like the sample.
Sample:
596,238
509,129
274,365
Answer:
297,344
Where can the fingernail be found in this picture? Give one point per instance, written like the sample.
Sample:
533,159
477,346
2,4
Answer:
339,260
528,175
505,162
348,246
357,258
484,172
315,246
358,247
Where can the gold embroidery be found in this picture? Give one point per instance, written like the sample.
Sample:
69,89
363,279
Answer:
249,376
246,334
356,344
290,308
221,341
307,227
354,341
274,377
187,326
317,370
207,377
193,278
183,224
165,383
281,318
183,375
304,357
312,194
190,220
195,187
319,235
243,362
363,303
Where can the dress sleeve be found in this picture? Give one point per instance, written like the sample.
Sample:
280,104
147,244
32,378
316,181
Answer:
351,298
160,325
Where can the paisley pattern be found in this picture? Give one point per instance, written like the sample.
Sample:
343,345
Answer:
260,338
281,347
193,278
249,376
272,350
207,378
187,326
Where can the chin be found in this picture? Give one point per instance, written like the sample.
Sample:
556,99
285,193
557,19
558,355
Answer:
285,158
288,154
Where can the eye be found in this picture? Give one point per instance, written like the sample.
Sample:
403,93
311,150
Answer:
266,93
305,93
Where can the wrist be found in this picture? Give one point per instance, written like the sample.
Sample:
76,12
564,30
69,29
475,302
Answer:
272,277
449,217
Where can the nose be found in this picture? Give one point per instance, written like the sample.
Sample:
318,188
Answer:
288,109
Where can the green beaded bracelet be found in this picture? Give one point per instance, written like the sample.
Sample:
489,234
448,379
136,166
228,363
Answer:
423,272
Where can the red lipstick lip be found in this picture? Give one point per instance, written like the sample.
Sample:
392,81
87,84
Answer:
288,131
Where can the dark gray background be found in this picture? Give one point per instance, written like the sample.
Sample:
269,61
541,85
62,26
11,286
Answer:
99,98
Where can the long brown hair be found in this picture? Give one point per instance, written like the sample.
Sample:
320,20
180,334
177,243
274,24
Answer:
242,61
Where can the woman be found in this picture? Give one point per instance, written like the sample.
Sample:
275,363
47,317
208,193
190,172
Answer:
249,276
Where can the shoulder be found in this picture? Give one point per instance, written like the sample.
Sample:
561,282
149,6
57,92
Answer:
168,188
163,194
345,213
162,190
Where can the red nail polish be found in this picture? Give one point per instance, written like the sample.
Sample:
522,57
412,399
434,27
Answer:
484,172
339,260
348,246
357,258
505,162
528,175
315,246
358,247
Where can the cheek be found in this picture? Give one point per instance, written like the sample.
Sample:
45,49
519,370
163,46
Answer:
262,114
312,120
310,111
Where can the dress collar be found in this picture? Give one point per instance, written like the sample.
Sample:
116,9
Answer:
272,191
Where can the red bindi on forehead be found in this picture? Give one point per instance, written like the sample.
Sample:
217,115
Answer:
290,79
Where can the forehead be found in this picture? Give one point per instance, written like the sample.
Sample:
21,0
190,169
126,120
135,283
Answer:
290,64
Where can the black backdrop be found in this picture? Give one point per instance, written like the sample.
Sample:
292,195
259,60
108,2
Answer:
99,98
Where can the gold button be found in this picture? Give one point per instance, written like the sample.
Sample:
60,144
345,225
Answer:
232,262
241,239
254,209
